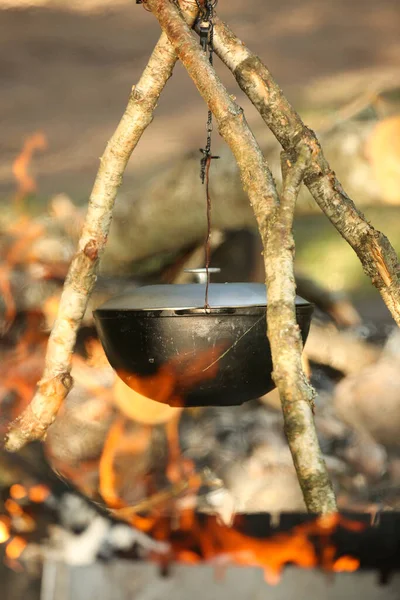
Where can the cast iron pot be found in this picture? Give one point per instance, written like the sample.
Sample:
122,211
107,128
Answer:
164,344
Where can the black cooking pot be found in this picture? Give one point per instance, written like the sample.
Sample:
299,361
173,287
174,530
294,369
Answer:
166,346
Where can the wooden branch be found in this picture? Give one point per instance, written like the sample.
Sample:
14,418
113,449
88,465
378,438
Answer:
274,224
256,177
57,381
336,304
286,345
374,250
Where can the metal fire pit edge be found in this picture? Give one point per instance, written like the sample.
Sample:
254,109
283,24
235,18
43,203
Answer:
377,547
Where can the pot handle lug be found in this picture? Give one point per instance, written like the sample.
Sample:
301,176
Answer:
201,273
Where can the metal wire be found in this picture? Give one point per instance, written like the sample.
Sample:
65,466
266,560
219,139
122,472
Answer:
206,13
206,41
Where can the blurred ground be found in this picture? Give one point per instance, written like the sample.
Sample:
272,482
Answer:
67,69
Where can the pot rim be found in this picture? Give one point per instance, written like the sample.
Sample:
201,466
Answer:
186,297
240,311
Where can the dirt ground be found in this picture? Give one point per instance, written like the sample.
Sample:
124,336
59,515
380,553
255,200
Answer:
67,68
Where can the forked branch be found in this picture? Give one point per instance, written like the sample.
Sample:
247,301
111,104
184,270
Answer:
255,174
295,392
274,223
372,247
56,381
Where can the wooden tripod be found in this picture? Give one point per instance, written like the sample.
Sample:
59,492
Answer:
302,160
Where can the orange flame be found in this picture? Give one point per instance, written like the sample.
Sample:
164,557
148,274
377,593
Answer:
271,554
294,547
107,482
15,547
20,371
38,493
346,563
118,442
20,519
18,491
174,379
220,545
13,508
4,532
26,183
182,476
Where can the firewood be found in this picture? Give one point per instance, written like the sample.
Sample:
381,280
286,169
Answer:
369,401
339,350
376,254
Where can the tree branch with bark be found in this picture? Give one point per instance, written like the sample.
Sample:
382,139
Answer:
377,255
274,219
303,159
56,381
296,394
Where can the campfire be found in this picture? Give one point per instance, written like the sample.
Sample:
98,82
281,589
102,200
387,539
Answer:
166,474
126,469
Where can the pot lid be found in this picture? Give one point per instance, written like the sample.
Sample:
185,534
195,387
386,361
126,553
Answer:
190,296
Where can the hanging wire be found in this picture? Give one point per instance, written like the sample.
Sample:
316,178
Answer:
206,30
206,27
